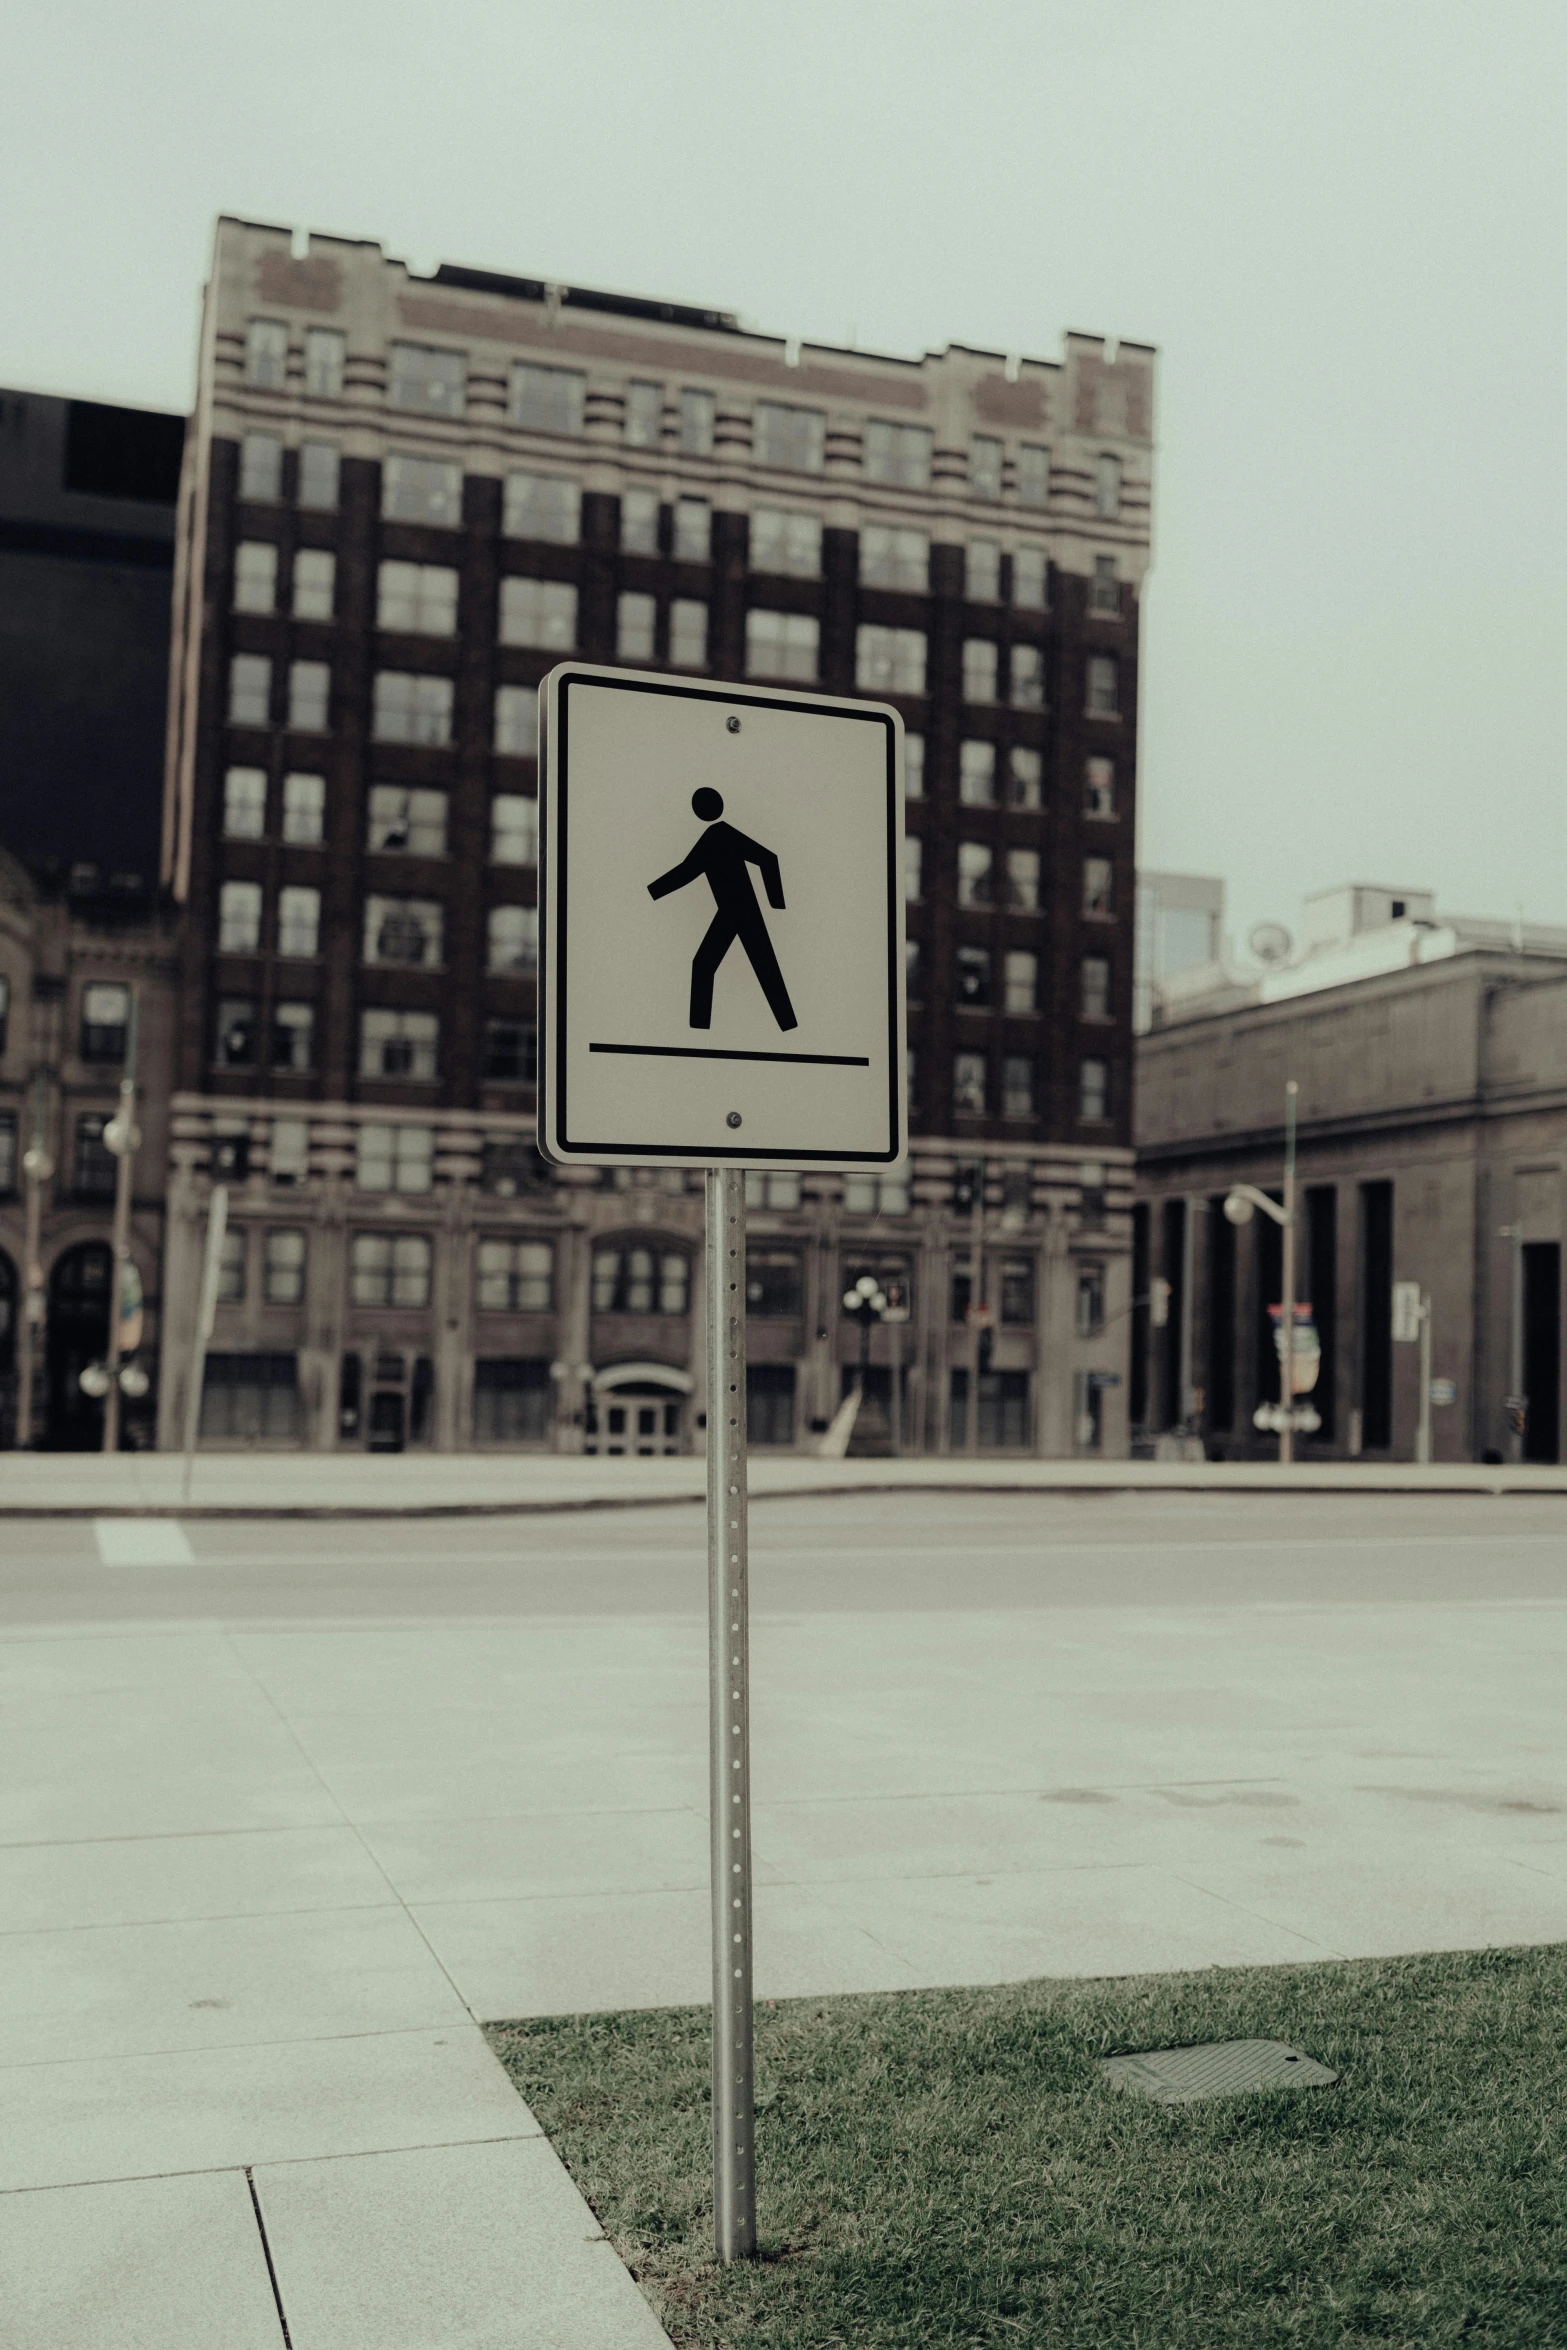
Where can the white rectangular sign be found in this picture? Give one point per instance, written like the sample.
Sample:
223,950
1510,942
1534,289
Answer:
721,948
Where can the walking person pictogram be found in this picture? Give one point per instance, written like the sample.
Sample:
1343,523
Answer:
723,854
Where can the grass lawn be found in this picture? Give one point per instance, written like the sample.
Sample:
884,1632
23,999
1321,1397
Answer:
945,2167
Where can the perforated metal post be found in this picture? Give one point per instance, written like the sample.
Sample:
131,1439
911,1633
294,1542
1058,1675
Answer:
734,2174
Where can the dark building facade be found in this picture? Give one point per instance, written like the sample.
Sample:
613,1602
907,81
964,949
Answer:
403,501
87,500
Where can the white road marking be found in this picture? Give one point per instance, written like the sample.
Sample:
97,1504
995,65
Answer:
142,1542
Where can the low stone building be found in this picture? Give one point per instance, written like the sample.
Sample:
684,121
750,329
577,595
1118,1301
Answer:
72,960
1431,1061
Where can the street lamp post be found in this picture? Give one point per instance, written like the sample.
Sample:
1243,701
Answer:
1240,1205
37,1166
122,1136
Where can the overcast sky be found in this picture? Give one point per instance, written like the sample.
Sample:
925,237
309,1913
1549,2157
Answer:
1341,224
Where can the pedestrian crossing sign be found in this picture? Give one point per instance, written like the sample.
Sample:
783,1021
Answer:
721,951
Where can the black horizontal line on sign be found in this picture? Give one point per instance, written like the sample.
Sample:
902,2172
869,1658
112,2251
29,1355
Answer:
707,1052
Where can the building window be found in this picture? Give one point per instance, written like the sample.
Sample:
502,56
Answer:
768,1187
982,571
245,803
252,1398
1023,880
435,382
298,921
1091,1178
1017,1086
913,857
315,578
687,634
644,415
972,970
515,1276
408,931
1021,982
106,1012
1103,698
517,720
395,1158
639,522
1033,475
1104,596
266,354
774,1283
239,918
1098,882
1028,677
781,644
390,1269
407,821
293,1038
319,467
977,774
250,690
1025,778
1017,1291
231,1267
1107,488
288,1154
895,559
790,544
96,1164
511,1052
979,669
984,466
236,1033
511,1400
693,530
547,399
261,468
898,454
1030,579
309,696
514,829
283,1273
1093,1096
1099,788
1003,1410
878,1195
514,938
418,597
914,766
1090,1300
968,1084
1096,987
793,438
398,1044
911,969
769,1403
640,1281
255,576
410,709
890,660
976,883
635,618
542,506
7,1150
696,423
539,612
323,363
421,489
304,809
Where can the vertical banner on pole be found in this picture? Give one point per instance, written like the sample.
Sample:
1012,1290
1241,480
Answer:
721,985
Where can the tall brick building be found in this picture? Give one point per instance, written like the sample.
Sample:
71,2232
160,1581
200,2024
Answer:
404,500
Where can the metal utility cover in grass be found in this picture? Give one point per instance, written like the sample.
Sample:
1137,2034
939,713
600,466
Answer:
1224,2068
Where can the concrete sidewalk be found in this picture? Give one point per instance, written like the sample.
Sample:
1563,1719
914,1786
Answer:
301,1484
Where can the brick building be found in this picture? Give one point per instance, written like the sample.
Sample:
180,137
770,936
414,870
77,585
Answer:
404,499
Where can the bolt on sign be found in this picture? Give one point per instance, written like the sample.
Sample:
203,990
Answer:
721,962
721,986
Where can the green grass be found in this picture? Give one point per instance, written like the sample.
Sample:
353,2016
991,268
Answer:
946,2167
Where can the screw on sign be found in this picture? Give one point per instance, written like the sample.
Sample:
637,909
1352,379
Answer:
697,1027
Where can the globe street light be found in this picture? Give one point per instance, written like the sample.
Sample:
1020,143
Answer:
865,1303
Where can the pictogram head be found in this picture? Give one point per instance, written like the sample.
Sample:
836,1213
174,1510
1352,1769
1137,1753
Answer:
707,804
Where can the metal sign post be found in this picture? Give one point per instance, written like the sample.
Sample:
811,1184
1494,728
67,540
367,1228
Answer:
734,2167
721,985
